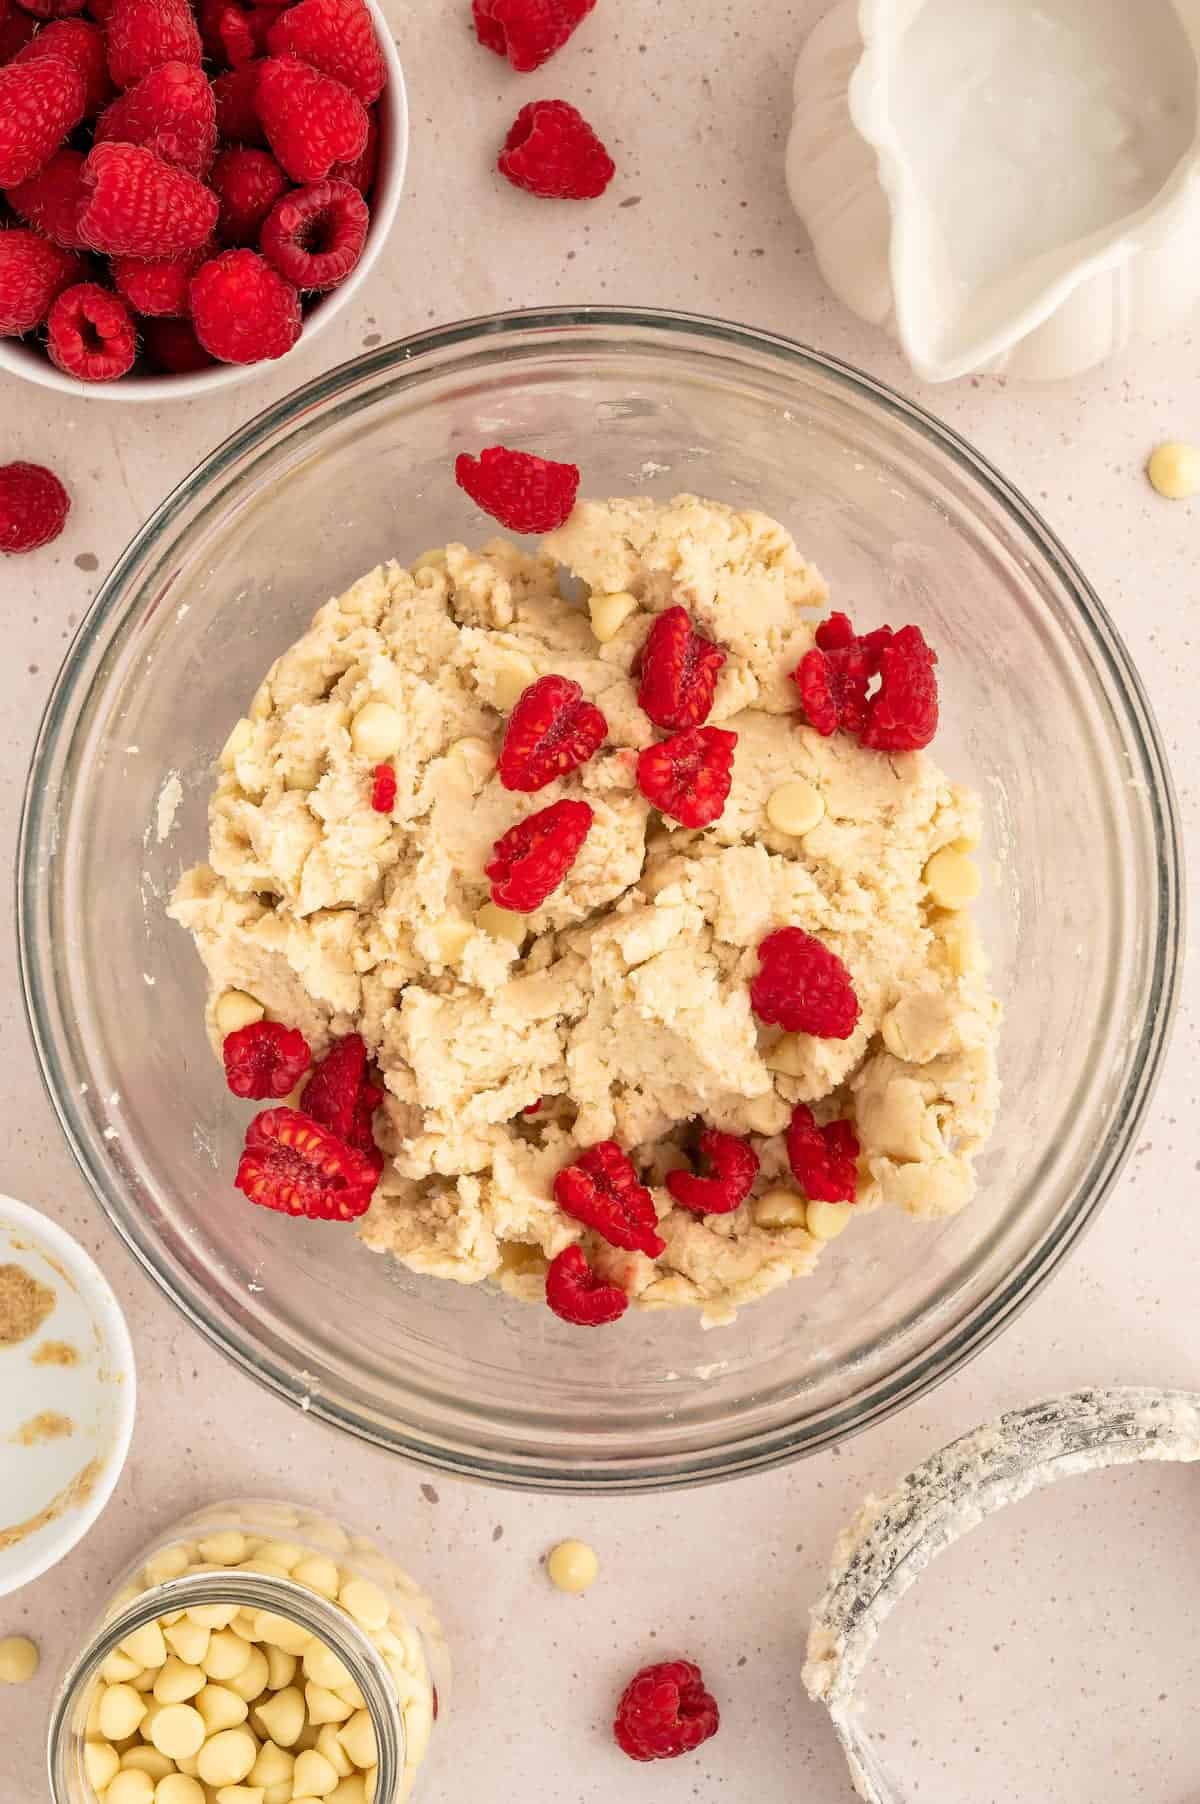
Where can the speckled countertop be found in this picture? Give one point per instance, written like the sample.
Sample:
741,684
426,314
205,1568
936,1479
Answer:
693,99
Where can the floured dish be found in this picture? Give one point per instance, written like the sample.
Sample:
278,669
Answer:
646,1027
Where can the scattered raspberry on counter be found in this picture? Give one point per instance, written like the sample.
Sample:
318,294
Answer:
734,1167
823,1159
577,1295
602,1191
33,506
530,861
665,1711
525,493
552,151
803,987
679,671
297,1167
689,775
265,1059
527,32
551,732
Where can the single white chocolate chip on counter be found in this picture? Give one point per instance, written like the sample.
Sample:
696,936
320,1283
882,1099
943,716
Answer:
101,1763
377,731
19,1660
952,878
825,1221
313,1774
225,1759
572,1566
795,808
779,1209
1174,470
610,612
502,923
178,1730
130,1787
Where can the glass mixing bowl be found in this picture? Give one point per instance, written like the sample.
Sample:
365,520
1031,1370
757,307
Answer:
1042,712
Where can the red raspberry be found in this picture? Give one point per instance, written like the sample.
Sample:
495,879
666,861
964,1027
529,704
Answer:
823,1159
52,199
341,1096
532,858
383,788
144,33
525,493
360,171
551,150
171,111
311,121
243,310
602,1191
314,236
80,43
833,678
688,776
550,732
52,9
243,32
292,1164
32,272
665,1711
902,715
803,987
41,100
248,183
679,670
233,95
734,1166
337,37
527,32
17,30
157,287
100,10
172,347
90,334
577,1295
265,1059
141,206
33,506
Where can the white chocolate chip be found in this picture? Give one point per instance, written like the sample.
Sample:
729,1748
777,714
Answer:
313,1775
358,1738
240,1794
572,1566
187,1640
225,1759
282,1716
121,1710
251,1682
502,923
325,1706
227,1655
101,1763
221,1708
319,1573
952,878
177,1730
147,1760
452,939
1174,470
281,1669
787,1056
213,1616
278,1631
274,1766
323,1667
795,808
145,1646
610,612
145,1680
284,1554
178,1788
767,1114
120,1668
779,1209
365,1602
351,1790
511,675
825,1221
177,1681
329,1744
475,758
130,1788
377,731
171,1562
238,741
225,1549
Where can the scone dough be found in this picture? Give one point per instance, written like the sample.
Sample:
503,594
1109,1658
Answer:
622,1006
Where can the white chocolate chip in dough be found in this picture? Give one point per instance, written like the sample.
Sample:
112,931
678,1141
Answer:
787,1056
475,759
610,612
1174,470
377,731
452,939
796,807
240,736
571,1566
952,878
502,923
511,674
825,1221
779,1209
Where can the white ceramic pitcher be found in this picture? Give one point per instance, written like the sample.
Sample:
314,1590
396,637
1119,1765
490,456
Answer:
1004,184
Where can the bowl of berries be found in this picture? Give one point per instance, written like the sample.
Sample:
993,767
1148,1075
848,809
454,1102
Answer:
188,191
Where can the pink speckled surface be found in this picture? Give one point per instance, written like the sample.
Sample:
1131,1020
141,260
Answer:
693,100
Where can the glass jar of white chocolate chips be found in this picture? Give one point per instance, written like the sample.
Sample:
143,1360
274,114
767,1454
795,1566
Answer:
257,1653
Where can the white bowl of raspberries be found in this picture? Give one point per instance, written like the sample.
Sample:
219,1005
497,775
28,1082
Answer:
186,190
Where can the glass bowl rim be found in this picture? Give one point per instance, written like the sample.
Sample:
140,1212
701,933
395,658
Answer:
1102,647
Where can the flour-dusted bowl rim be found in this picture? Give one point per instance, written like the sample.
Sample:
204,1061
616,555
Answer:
906,521
31,363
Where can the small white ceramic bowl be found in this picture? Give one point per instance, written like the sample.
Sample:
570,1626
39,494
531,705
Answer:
77,1369
31,362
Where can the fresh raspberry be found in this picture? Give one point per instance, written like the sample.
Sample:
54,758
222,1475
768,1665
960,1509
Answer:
265,1059
833,678
233,96
171,111
679,670
665,1711
360,170
40,102
525,493
248,183
33,506
532,858
243,32
173,348
52,9
311,120
17,30
552,151
337,37
823,1159
32,272
243,310
577,1295
292,1164
341,1096
803,987
527,32
100,10
144,33
383,788
601,1190
550,732
902,714
314,236
142,207
51,200
157,287
90,334
734,1167
688,776
80,43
